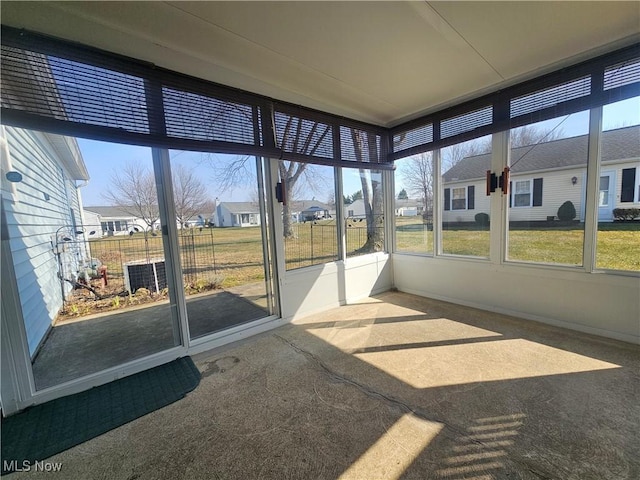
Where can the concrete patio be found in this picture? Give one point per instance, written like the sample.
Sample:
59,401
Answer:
395,386
96,342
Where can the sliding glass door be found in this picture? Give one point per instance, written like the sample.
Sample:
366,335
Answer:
89,254
223,240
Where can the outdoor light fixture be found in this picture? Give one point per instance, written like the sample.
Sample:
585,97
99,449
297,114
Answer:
13,176
574,180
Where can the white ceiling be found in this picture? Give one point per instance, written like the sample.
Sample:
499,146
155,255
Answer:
380,62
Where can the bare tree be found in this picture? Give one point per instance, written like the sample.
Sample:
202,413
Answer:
417,175
295,176
133,190
452,155
417,172
532,135
372,194
189,194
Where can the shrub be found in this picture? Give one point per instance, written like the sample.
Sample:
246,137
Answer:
567,211
625,214
482,219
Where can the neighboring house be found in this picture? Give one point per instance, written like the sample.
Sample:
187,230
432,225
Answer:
355,209
237,214
109,220
546,175
408,207
307,210
42,217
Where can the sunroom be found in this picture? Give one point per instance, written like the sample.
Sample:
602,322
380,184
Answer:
260,154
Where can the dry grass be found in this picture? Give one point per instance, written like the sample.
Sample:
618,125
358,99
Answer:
618,245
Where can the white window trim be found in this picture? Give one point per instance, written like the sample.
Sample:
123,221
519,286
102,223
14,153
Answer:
9,190
513,193
466,203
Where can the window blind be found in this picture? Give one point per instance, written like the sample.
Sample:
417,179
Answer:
599,81
60,87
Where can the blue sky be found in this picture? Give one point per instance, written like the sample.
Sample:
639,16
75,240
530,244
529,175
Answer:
103,159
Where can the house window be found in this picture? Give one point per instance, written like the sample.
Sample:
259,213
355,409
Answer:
414,231
543,149
308,241
244,218
463,168
618,240
603,200
364,232
459,199
350,214
522,193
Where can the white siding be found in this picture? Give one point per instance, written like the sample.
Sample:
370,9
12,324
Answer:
482,202
556,189
39,208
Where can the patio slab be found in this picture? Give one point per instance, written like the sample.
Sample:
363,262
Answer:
78,348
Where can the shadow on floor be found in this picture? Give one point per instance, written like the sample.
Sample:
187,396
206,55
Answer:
394,387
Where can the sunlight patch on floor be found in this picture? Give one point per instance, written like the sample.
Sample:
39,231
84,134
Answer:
394,452
482,455
480,361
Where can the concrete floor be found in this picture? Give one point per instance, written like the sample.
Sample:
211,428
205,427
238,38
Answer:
97,342
395,386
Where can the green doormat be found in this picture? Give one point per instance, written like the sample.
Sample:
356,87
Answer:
50,428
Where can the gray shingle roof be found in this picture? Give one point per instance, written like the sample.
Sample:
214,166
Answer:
241,207
622,143
110,211
305,205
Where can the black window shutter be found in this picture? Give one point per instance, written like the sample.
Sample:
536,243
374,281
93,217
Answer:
471,200
537,192
628,184
510,194
447,198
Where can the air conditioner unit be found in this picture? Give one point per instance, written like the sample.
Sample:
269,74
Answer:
150,274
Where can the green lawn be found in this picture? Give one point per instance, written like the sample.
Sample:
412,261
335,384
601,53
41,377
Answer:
234,255
618,244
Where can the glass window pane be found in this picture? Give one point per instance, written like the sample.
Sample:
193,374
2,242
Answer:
94,293
414,204
547,199
465,207
618,241
364,199
217,205
309,216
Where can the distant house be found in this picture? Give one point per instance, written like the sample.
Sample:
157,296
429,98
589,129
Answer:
110,220
42,217
408,207
237,214
355,209
546,175
307,210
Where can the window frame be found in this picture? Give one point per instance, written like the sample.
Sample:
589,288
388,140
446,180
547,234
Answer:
464,198
530,193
